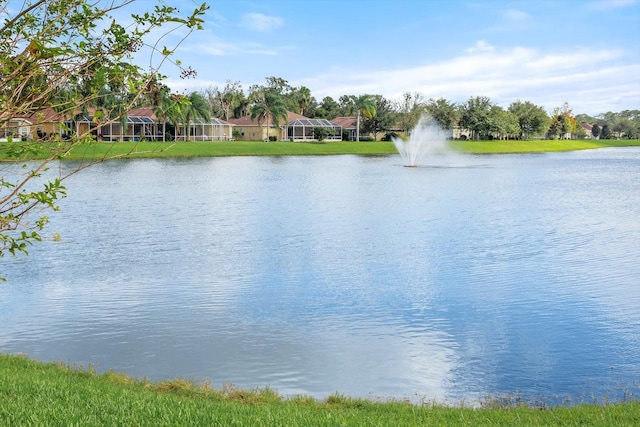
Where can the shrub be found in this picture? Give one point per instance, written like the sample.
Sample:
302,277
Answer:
321,133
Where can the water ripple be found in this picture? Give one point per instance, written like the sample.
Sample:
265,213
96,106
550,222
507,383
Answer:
313,275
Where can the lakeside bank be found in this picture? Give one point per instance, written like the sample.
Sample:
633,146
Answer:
36,393
100,151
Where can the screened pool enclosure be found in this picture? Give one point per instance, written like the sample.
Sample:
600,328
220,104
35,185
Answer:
303,130
144,128
134,128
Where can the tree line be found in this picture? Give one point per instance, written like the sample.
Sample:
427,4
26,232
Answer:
378,115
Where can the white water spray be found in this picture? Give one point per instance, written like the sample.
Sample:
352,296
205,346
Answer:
425,139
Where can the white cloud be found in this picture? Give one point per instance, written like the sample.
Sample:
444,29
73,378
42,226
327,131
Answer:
516,15
481,46
593,81
611,4
260,22
207,43
221,48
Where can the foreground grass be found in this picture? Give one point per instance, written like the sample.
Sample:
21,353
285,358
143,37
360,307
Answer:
99,151
34,393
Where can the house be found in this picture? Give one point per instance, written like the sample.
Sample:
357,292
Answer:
248,129
135,126
138,124
200,129
458,132
197,129
297,128
348,124
588,130
42,124
302,129
15,128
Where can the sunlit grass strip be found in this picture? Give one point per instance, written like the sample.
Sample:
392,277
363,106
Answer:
537,146
222,149
34,393
100,151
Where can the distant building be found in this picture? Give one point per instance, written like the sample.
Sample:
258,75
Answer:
348,124
297,128
137,125
588,129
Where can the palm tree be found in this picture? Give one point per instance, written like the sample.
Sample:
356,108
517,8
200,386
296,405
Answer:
303,98
164,107
364,104
194,106
266,106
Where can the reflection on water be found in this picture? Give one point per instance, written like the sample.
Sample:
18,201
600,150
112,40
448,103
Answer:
483,275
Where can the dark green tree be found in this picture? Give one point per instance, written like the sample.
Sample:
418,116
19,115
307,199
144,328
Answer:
409,109
444,112
267,106
328,109
385,117
503,124
358,106
193,107
365,105
532,119
303,98
322,133
623,127
474,115
560,127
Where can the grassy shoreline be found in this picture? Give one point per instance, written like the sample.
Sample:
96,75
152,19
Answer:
36,393
99,151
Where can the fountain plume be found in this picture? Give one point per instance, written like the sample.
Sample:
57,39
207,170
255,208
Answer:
426,138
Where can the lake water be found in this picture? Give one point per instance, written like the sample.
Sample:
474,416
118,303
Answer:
468,277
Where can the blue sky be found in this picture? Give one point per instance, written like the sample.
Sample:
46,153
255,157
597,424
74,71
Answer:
584,52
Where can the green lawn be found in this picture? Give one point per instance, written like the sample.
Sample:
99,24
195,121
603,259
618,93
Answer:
538,146
34,393
97,151
103,150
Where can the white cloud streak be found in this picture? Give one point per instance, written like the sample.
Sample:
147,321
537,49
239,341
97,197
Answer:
592,80
516,15
260,22
611,4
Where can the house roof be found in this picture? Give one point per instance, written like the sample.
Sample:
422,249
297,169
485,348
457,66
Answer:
291,116
247,121
244,121
348,122
586,126
212,120
46,115
313,122
20,121
143,112
131,119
